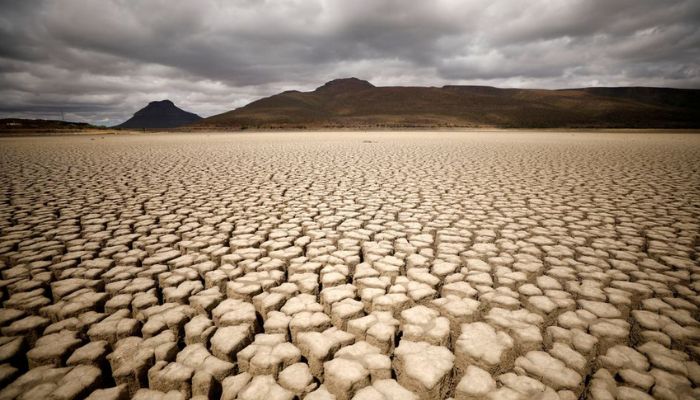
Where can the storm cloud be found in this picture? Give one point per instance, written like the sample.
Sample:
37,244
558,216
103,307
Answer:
99,61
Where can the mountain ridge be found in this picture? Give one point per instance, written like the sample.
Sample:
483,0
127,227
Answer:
355,103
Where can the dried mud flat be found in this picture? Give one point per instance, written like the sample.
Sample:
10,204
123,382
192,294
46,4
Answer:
419,265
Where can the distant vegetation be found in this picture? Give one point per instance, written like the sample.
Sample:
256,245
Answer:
19,126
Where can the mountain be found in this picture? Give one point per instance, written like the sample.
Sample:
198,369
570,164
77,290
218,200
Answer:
354,103
160,114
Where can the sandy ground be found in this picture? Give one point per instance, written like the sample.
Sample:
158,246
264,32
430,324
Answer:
382,265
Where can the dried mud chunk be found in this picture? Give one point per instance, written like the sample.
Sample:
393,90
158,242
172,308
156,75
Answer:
481,345
570,357
332,295
458,289
118,302
553,372
667,383
199,330
143,301
306,321
93,353
602,386
62,288
161,257
29,302
418,292
636,378
234,312
301,302
133,356
43,375
75,304
116,326
12,350
27,327
114,393
345,310
205,385
54,383
385,389
392,302
600,309
229,340
264,387
628,393
7,374
354,367
522,325
610,332
169,316
77,383
148,394
378,329
475,384
649,320
267,355
277,323
232,385
320,394
673,361
424,369
502,297
164,376
319,347
297,379
10,315
182,293
343,378
458,311
266,302
421,323
197,357
520,386
130,364
243,289
53,349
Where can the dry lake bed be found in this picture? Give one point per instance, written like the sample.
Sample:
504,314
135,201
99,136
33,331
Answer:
341,265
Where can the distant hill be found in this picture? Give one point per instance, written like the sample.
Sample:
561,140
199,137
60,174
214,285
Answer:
160,114
21,125
354,103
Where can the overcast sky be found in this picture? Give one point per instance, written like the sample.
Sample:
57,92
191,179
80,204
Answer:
100,61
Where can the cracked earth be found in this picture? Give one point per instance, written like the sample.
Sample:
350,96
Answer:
414,265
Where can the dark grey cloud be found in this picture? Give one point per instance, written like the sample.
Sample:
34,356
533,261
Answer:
100,61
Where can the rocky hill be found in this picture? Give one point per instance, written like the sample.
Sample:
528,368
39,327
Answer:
160,114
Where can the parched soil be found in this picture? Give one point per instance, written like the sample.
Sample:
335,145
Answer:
349,265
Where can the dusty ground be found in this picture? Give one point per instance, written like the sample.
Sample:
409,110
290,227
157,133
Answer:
371,266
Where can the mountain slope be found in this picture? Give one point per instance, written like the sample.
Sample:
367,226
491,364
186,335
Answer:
160,114
355,103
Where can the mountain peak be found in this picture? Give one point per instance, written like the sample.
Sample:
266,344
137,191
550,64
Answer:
163,102
345,84
160,114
